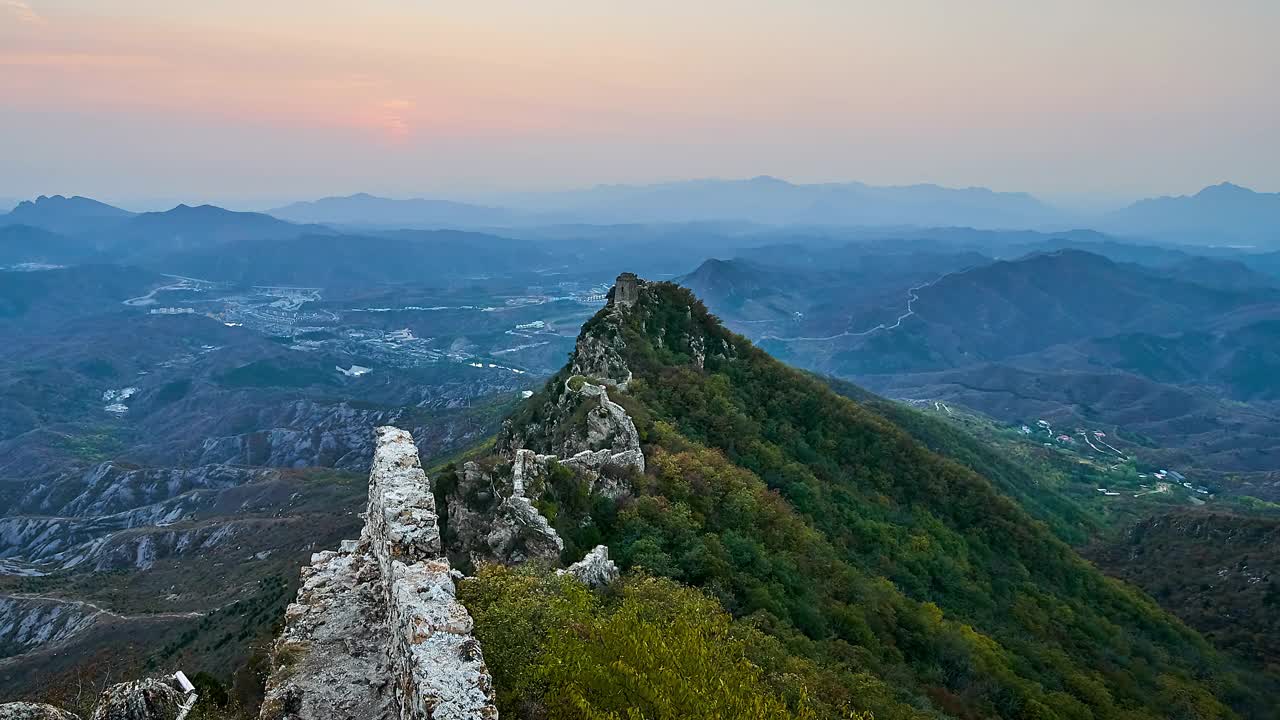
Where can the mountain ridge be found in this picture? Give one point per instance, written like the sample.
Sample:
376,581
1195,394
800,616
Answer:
1222,213
723,428
67,215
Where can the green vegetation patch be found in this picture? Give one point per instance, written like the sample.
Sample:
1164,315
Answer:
268,373
94,445
649,648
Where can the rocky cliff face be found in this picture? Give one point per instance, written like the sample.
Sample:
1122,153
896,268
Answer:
29,622
573,429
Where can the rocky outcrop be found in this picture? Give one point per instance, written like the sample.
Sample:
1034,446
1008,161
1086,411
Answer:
596,569
492,516
148,699
31,622
598,353
33,711
611,436
525,532
377,631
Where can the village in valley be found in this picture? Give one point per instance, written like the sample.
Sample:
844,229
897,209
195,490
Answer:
508,329
1093,465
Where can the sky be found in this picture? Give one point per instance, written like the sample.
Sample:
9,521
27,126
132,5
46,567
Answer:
257,102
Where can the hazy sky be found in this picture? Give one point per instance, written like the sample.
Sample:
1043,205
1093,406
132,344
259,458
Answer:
262,100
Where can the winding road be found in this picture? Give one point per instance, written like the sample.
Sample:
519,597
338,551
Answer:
912,296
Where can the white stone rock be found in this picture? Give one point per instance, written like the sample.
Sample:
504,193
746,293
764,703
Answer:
379,629
594,569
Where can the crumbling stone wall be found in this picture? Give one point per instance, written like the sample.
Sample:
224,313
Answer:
440,671
377,632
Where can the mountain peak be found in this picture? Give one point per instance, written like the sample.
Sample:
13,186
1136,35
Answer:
647,325
62,214
1224,189
768,180
75,203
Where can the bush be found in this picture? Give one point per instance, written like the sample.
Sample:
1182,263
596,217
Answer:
648,649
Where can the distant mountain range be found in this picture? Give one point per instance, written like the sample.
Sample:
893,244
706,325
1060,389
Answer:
213,243
101,226
343,261
1199,320
764,200
1223,214
1220,215
68,215
364,210
1178,349
772,201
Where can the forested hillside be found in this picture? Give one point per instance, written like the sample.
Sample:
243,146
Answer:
863,572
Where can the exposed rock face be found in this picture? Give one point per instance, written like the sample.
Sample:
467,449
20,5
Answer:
527,524
140,700
611,436
33,711
492,511
598,353
601,357
306,432
596,569
377,631
492,515
109,500
33,622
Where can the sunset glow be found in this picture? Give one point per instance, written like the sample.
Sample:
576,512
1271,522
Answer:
411,97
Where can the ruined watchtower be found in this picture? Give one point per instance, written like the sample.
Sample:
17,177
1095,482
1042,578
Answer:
626,291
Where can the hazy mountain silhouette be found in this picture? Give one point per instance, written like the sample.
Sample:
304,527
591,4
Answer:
762,199
1224,213
185,228
27,244
66,215
363,209
770,200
